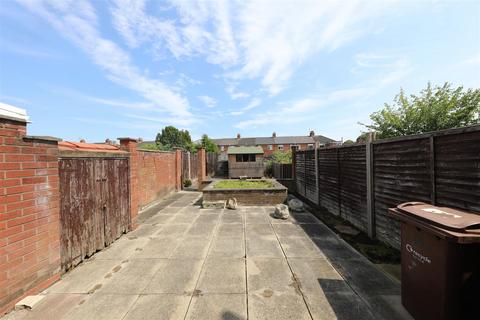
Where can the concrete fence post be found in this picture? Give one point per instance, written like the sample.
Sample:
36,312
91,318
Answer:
130,145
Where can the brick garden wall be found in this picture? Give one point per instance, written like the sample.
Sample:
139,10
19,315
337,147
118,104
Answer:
157,175
29,213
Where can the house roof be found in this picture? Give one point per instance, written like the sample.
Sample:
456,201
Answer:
272,140
89,147
245,150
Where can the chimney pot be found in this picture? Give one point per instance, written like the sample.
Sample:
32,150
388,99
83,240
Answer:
274,135
312,133
238,135
82,140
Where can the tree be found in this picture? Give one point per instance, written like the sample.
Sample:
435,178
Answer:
435,108
208,144
171,137
282,157
348,142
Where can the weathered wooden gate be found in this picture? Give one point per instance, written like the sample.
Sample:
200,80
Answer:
94,205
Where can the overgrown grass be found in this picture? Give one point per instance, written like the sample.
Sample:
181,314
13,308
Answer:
243,184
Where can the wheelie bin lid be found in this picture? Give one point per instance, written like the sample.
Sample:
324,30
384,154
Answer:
443,221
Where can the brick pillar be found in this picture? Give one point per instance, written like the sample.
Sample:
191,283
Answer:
29,213
178,169
202,167
130,145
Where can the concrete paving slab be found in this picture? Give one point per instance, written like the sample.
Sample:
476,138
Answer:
301,217
269,275
133,277
338,305
267,247
145,230
317,276
85,277
103,306
208,218
335,249
227,247
159,218
256,217
201,229
296,247
52,307
122,249
388,307
235,216
258,230
173,230
218,307
277,306
317,230
222,275
157,248
170,210
183,218
177,276
192,247
159,306
230,230
365,278
288,230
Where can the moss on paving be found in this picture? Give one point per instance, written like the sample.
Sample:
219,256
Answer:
243,184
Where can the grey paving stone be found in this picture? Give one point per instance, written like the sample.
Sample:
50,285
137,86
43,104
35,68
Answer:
103,306
269,274
192,248
235,216
133,277
145,230
159,219
277,306
159,306
334,248
170,210
388,307
183,218
296,247
317,276
173,230
208,218
177,276
338,305
85,277
304,217
317,230
267,247
227,247
258,230
157,248
288,230
201,229
52,307
259,217
122,249
230,230
222,275
218,307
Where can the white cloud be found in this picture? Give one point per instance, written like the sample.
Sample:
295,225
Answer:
208,101
77,21
234,94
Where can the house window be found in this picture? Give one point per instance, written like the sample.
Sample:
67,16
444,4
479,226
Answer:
310,146
270,147
295,147
280,147
245,158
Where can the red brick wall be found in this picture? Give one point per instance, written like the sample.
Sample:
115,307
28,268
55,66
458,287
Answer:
156,175
29,214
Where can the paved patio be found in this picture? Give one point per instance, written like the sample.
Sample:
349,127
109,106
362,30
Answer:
184,262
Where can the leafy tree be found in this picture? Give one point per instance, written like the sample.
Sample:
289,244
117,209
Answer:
435,108
171,137
348,142
282,157
208,144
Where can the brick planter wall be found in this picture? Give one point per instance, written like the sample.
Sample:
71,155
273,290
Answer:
29,213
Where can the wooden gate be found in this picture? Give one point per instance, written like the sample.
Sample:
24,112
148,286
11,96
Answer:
94,205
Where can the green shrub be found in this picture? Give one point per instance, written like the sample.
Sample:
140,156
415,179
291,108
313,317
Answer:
187,183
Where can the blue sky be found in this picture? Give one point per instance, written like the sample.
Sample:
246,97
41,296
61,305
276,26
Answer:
106,69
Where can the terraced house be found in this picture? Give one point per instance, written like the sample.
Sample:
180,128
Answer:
274,143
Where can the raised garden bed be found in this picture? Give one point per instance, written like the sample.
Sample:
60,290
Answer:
265,192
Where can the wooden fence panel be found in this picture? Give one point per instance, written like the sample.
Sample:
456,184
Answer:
282,171
353,185
457,171
311,188
194,166
402,172
328,180
212,159
300,172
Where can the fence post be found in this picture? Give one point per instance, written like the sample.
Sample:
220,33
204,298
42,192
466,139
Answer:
432,170
130,145
305,172
370,187
189,167
201,167
316,174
